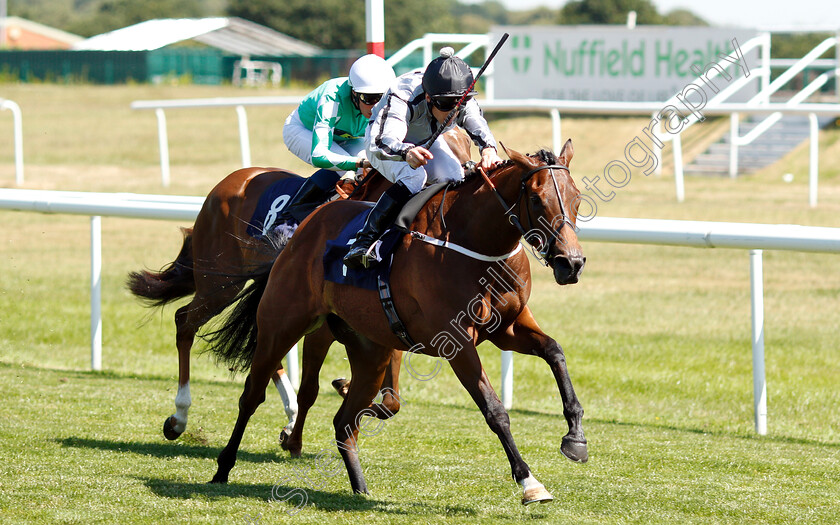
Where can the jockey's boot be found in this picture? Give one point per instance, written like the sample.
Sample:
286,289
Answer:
383,215
316,189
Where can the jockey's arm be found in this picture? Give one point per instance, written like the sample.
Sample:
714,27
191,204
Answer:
322,139
389,131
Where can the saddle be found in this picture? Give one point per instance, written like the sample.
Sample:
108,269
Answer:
334,269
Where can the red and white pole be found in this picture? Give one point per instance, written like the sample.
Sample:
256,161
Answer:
375,23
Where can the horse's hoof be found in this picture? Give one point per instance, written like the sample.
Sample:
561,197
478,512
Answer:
285,435
536,495
219,479
574,450
169,431
340,385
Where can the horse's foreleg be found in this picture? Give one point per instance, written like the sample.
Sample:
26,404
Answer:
390,390
525,336
367,365
315,348
290,403
469,371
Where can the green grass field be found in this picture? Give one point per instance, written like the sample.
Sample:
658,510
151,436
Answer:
657,341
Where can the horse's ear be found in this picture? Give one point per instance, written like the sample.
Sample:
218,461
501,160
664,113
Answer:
504,148
567,153
517,157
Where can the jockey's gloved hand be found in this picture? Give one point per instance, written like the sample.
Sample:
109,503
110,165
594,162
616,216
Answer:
490,158
469,168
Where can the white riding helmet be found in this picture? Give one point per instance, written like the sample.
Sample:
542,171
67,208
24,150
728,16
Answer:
371,74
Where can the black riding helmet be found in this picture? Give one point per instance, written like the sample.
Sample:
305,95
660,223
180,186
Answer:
447,76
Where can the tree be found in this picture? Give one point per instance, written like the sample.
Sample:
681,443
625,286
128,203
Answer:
325,23
683,17
608,12
115,14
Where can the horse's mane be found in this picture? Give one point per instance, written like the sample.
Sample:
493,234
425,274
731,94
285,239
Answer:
544,155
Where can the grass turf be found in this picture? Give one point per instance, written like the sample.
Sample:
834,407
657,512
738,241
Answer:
657,340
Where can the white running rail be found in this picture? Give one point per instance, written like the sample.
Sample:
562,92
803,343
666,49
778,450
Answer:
17,130
702,234
96,205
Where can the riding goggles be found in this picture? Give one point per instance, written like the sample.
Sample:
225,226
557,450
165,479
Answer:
447,104
370,98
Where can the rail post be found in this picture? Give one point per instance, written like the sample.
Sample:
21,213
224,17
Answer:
759,383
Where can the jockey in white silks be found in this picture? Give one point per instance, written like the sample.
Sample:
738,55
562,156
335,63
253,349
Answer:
410,112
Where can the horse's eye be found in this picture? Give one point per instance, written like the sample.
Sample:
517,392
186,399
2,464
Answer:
535,199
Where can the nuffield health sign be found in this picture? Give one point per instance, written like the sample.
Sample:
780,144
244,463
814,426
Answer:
612,62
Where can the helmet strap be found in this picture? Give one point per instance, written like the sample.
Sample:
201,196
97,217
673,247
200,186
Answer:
354,97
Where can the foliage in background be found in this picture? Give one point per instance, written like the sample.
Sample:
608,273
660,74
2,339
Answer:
336,24
608,12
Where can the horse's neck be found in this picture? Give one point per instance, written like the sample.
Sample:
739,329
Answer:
475,219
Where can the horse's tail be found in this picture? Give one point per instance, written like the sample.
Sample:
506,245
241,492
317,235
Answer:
235,341
173,282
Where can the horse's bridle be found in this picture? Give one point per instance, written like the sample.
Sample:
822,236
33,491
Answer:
540,252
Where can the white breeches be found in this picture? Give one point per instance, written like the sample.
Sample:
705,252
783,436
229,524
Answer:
443,167
299,141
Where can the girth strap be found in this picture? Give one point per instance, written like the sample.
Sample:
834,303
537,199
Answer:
394,321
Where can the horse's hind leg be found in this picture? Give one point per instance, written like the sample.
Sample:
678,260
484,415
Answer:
272,344
525,336
469,371
188,319
315,348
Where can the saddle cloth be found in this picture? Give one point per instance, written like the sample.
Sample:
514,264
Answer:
271,203
336,249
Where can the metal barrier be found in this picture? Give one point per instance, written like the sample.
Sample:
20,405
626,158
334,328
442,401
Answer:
238,102
702,234
96,205
18,137
552,107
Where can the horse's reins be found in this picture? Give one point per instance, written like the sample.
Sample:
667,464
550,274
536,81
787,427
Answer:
371,172
540,252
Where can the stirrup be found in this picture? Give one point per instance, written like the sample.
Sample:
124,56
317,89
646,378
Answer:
371,256
363,259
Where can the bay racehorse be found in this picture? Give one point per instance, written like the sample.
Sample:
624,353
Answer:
437,290
216,252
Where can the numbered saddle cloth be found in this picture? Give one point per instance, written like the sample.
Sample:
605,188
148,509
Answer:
273,200
334,269
336,249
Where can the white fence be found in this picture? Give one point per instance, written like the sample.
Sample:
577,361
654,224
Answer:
96,205
753,237
17,130
552,107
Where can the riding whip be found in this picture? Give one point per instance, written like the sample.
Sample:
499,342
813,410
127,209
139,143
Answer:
454,110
